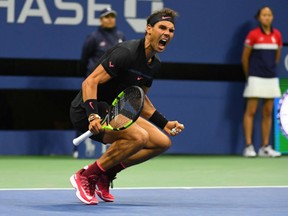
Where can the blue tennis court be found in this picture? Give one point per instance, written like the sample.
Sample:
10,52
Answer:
150,201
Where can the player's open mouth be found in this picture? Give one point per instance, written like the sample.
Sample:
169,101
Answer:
162,43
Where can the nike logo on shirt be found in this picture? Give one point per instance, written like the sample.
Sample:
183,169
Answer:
110,64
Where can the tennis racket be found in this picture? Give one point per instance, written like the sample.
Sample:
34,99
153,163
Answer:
123,112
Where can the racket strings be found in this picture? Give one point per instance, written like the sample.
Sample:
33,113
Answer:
126,109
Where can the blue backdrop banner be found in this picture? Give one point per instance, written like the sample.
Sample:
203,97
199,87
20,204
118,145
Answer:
207,31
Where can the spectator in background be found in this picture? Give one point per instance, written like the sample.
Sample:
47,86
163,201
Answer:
99,41
259,59
96,44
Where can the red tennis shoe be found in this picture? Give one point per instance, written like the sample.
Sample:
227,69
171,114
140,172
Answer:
85,187
102,188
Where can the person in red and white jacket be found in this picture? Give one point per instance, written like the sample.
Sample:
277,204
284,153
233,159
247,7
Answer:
261,53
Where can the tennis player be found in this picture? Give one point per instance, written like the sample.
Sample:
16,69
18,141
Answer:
133,62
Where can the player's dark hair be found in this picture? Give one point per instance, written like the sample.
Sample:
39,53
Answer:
259,11
165,12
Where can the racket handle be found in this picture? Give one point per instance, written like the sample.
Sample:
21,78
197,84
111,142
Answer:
82,137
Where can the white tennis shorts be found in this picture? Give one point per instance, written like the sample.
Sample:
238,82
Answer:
258,87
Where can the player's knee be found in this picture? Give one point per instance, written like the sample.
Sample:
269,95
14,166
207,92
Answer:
141,138
166,144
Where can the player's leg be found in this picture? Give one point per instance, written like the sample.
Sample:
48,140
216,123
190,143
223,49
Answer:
266,150
134,146
251,108
124,144
157,144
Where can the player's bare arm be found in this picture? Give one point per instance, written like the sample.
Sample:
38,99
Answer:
89,85
89,91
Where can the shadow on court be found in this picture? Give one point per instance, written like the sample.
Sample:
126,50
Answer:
143,202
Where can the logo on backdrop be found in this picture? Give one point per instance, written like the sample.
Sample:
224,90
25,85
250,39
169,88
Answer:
130,13
19,12
286,62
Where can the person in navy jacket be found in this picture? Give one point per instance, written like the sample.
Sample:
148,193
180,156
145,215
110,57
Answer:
99,41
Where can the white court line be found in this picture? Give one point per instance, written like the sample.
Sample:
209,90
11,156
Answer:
149,188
